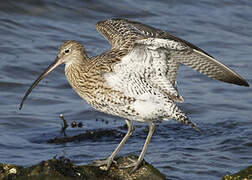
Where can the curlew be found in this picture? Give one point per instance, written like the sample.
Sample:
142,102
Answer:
136,78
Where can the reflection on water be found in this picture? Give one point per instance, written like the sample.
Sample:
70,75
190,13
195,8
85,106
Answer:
31,32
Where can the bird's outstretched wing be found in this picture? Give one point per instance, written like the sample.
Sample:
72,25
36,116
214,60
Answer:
123,34
123,31
119,32
145,70
196,59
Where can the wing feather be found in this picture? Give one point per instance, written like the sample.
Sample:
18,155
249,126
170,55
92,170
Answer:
208,66
198,60
144,71
126,34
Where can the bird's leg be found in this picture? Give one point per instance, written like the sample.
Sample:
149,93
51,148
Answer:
110,159
137,163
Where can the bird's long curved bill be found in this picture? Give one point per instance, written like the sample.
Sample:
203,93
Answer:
50,68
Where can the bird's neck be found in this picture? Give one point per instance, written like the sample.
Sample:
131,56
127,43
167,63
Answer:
77,76
77,66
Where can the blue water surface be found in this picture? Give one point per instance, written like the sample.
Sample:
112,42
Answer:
30,34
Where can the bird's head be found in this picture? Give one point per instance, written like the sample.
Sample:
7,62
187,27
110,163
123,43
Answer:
70,52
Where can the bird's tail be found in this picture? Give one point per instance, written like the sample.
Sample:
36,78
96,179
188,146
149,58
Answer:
185,120
177,114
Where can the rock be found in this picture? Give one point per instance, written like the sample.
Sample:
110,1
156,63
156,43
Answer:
63,169
84,136
245,174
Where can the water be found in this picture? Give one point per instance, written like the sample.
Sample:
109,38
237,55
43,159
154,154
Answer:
31,32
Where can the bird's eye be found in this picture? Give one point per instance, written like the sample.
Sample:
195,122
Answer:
67,51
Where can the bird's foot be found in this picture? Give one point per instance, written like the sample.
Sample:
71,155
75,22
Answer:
134,163
107,162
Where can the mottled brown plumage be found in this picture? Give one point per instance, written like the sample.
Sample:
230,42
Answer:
136,79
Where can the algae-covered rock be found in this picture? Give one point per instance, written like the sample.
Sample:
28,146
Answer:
145,172
64,169
245,174
84,136
9,171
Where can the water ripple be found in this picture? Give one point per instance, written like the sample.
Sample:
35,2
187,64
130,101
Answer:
31,32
